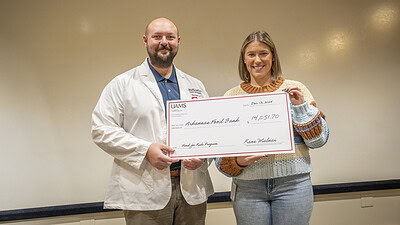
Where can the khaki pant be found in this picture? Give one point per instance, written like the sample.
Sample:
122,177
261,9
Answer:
177,211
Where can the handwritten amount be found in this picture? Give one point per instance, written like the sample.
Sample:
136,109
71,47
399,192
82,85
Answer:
265,117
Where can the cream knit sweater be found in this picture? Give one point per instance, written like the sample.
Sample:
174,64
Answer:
311,131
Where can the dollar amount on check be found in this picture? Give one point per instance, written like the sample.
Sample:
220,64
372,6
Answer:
230,126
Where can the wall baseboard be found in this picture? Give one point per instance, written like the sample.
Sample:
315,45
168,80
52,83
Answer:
97,207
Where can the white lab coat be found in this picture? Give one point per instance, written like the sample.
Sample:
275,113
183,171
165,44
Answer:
128,117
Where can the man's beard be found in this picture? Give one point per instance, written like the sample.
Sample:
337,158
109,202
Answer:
162,62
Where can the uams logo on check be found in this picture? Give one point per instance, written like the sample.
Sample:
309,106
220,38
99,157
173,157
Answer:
178,106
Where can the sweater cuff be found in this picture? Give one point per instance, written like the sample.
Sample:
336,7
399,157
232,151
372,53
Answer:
231,167
304,110
307,121
304,113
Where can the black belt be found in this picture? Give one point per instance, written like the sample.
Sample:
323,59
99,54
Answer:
175,166
175,173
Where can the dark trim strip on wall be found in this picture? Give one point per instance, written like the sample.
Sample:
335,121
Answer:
356,187
97,207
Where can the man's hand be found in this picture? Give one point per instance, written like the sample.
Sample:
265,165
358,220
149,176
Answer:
156,154
193,163
247,160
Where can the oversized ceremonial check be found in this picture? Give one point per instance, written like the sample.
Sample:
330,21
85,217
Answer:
230,126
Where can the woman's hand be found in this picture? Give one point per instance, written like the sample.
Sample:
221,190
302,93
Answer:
192,164
247,160
295,95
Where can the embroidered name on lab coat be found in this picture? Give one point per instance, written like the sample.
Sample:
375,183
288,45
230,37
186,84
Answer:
196,93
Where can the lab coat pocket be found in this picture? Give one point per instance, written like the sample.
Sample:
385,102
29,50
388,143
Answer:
148,181
137,180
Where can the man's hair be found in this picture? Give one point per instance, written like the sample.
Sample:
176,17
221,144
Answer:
263,37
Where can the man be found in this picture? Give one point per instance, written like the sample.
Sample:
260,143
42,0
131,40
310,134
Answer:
129,123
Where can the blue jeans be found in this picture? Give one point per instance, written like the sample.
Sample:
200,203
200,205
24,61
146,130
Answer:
279,201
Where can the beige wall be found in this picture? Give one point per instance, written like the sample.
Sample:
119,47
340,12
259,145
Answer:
57,55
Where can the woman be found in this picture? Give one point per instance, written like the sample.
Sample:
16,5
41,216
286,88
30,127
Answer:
274,189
